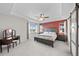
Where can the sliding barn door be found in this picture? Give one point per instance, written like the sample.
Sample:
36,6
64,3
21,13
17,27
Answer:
78,31
74,32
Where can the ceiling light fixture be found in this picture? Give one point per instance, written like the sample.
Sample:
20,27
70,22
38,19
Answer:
41,19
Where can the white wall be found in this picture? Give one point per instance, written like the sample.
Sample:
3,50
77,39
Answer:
19,24
68,26
66,9
65,25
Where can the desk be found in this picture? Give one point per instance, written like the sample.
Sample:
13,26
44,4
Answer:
5,42
0,45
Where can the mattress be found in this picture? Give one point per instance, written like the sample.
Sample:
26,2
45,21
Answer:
49,36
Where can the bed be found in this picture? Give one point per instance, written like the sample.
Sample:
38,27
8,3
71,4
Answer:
46,38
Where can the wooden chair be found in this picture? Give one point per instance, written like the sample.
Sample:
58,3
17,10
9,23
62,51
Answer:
16,37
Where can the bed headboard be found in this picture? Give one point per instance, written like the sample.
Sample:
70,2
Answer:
50,30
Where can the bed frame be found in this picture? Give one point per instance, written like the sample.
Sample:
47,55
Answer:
45,41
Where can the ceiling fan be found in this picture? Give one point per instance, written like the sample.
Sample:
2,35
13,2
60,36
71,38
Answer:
42,17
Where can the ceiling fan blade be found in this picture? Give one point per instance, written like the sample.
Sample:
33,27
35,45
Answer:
46,17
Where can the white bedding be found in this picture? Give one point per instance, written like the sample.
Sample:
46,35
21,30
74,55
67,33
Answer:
48,35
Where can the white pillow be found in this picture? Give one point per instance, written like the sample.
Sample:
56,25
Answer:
45,32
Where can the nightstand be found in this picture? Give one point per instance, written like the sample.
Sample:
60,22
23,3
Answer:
62,38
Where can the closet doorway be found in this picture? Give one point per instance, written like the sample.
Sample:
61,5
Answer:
74,31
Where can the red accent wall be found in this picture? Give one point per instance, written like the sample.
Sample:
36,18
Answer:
54,24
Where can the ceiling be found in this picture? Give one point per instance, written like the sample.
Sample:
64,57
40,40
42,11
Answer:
55,11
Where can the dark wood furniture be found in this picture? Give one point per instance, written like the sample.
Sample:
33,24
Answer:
47,42
17,38
0,45
9,37
7,42
62,37
12,35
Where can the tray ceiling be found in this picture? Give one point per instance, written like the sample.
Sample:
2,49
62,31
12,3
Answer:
55,11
